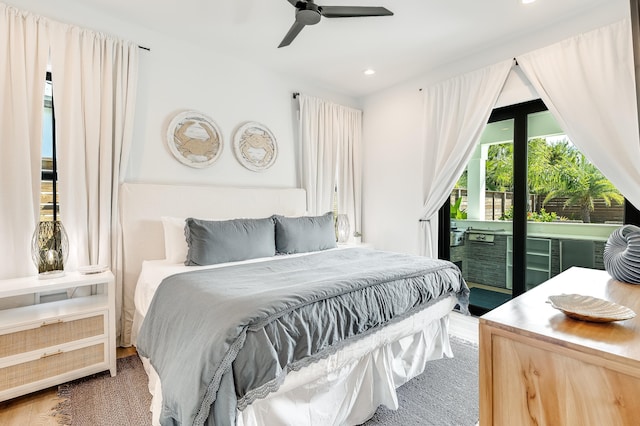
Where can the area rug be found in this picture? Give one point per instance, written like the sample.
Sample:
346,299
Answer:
102,400
445,394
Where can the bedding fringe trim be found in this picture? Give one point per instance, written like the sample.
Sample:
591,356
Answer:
212,389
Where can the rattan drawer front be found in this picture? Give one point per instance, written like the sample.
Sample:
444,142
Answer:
53,334
50,365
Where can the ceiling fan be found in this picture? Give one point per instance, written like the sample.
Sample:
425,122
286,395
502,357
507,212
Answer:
309,13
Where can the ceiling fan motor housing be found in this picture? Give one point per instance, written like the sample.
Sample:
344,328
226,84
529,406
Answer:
308,13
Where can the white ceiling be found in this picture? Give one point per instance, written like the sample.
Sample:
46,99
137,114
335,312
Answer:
422,35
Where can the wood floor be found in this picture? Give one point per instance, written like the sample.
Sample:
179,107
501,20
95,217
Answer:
35,409
464,326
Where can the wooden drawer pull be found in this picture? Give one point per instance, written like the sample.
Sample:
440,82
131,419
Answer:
46,355
45,323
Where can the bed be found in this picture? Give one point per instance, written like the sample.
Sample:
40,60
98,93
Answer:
341,377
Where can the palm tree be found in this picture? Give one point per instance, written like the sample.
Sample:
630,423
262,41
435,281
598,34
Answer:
581,182
540,157
499,167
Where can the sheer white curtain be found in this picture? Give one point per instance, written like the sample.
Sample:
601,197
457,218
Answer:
318,137
94,84
588,83
456,112
24,51
350,166
331,139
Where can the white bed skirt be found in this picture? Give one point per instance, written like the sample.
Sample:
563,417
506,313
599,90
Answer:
347,387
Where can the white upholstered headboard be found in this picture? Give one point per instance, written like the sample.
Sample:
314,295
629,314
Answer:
142,205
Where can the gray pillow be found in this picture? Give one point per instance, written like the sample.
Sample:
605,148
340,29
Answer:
305,233
213,242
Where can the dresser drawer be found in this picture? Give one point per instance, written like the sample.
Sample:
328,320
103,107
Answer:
51,365
52,333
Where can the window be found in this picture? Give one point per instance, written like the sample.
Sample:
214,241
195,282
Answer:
49,207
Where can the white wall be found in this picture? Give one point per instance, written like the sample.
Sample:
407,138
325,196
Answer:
176,76
392,169
392,186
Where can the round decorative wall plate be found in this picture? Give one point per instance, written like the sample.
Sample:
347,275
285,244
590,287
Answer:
194,139
255,146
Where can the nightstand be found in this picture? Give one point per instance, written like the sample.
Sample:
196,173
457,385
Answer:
46,344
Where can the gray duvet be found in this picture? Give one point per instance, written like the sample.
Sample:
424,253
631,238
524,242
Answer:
221,338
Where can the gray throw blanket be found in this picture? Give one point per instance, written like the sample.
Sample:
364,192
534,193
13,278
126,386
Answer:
221,338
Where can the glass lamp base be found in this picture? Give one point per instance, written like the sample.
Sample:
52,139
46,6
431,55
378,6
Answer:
342,228
50,274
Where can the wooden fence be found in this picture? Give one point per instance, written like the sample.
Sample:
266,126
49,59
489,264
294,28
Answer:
600,214
497,203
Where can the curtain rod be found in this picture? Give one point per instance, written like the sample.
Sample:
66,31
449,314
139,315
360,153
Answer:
144,48
295,95
420,89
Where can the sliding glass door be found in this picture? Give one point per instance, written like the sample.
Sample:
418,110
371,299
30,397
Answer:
528,206
479,216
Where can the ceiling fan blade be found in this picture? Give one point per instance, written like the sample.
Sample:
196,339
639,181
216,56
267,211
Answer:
353,11
293,32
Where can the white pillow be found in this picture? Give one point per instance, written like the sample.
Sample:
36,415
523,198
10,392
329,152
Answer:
175,242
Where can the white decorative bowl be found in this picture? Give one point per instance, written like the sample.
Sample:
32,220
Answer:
589,308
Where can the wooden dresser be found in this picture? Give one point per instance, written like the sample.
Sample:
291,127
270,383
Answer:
539,367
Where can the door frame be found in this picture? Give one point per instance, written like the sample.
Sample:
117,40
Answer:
519,114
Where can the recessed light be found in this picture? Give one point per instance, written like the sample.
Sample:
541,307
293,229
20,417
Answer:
526,1
369,71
